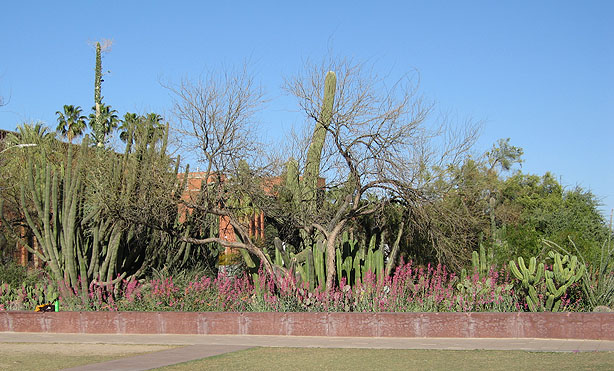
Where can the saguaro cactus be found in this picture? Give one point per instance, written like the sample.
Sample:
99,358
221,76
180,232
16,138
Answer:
314,154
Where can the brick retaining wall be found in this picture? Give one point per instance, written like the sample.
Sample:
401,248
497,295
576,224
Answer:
450,325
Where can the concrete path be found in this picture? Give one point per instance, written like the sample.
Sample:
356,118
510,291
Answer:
200,346
160,359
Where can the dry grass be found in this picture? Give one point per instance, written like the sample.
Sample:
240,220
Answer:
378,359
45,356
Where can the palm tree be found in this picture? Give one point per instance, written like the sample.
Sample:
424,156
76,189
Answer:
30,134
70,122
145,127
129,123
154,124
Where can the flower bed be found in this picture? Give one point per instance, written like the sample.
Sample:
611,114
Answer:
409,289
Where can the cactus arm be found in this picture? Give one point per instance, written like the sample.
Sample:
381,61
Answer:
532,265
533,294
549,302
514,270
475,261
378,257
532,305
557,306
314,153
550,285
483,266
338,263
539,273
357,269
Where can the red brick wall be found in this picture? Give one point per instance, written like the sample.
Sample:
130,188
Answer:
598,326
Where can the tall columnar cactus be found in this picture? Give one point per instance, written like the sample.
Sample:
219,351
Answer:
314,154
374,260
319,261
97,129
348,259
56,193
480,262
352,262
304,191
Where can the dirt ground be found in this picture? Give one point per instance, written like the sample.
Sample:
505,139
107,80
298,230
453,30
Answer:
80,349
56,356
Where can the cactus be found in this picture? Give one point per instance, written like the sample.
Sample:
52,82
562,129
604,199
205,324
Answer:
480,262
304,192
351,262
565,272
374,260
530,278
292,184
319,262
97,127
314,154
80,239
57,195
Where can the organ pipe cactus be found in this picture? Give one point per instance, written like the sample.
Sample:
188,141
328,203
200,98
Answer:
480,262
82,222
352,262
56,194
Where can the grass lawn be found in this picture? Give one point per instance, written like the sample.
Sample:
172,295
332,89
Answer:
384,359
45,356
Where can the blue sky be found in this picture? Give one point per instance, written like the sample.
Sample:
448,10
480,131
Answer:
539,72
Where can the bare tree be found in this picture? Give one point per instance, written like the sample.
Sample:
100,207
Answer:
216,119
379,145
380,141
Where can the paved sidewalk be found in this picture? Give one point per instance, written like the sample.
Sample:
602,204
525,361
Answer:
545,345
159,359
200,346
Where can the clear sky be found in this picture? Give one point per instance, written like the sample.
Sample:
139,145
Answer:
539,72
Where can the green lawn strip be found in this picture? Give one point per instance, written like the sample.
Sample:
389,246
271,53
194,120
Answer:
41,357
393,359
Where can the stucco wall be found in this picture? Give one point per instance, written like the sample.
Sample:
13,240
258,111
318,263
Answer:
453,325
